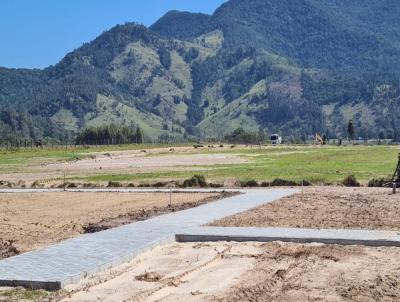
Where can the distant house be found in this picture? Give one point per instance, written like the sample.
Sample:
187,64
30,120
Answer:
276,139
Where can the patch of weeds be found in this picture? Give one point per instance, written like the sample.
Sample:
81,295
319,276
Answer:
249,183
377,183
114,184
278,182
160,184
35,184
19,294
195,181
350,181
214,185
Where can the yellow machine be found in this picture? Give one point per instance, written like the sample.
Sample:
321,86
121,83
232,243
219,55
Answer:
396,176
319,139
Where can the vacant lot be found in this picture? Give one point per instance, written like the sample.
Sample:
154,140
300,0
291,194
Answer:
244,272
320,165
326,207
30,221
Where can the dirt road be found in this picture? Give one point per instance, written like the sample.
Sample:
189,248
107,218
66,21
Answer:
326,207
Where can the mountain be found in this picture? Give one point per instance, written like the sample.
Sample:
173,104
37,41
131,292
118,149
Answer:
296,67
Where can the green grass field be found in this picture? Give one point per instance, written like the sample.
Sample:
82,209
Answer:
319,165
315,164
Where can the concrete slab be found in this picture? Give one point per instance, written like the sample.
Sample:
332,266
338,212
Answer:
56,266
343,237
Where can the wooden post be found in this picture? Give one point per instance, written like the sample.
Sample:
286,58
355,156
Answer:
64,182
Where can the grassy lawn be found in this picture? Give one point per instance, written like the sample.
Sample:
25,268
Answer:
319,165
316,164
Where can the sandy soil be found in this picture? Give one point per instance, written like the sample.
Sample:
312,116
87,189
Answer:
326,207
291,272
29,221
248,272
133,161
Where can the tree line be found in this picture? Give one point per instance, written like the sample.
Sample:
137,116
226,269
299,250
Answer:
109,135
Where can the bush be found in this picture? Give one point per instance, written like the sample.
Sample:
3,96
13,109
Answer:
195,181
278,182
89,185
306,183
379,182
350,181
213,185
35,184
249,183
71,185
114,184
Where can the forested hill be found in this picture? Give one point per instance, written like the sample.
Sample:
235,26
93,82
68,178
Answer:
295,67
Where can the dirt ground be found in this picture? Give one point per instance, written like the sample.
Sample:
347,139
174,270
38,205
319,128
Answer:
247,272
326,207
30,221
120,162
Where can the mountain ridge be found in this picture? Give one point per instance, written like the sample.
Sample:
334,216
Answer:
296,68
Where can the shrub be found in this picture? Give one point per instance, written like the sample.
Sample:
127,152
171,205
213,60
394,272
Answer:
250,183
114,184
35,184
144,185
195,181
351,181
71,185
278,182
379,182
89,185
306,183
214,185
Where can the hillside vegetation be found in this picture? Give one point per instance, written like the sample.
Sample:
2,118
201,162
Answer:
295,67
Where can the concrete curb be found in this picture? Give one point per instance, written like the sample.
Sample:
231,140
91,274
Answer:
342,237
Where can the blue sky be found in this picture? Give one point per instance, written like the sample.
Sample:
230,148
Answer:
38,33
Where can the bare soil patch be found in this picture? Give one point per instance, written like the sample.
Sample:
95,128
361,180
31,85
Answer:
293,272
120,162
325,208
222,271
30,221
141,162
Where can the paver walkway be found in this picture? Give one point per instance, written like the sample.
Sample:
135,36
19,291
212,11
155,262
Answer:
67,262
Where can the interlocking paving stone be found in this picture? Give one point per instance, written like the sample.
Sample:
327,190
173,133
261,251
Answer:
331,236
58,265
